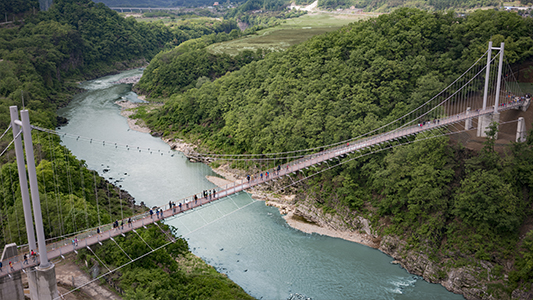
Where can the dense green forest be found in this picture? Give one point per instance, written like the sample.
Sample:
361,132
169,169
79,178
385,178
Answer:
41,58
388,5
458,207
190,65
73,39
17,8
340,84
167,274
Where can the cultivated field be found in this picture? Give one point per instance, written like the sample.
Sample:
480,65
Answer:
291,32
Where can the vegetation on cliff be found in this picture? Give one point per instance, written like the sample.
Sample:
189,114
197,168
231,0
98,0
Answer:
169,273
387,5
39,60
340,84
460,208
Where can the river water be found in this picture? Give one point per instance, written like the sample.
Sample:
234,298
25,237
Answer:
241,237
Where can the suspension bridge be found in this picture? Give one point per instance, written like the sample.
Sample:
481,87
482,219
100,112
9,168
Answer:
471,102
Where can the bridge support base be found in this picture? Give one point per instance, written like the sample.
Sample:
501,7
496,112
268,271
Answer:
43,283
468,122
521,130
11,286
484,123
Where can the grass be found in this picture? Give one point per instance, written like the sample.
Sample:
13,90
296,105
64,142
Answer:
291,32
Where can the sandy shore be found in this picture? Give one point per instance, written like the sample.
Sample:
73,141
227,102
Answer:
126,111
290,213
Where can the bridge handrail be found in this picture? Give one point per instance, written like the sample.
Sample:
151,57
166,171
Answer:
289,167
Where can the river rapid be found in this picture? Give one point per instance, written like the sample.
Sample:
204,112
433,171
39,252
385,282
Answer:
239,236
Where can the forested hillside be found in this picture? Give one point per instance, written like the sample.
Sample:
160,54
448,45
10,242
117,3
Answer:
454,209
387,5
77,39
340,84
41,58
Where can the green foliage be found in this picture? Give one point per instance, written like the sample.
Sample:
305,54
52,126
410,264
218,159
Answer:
163,274
181,69
524,263
336,85
486,202
387,5
72,197
10,8
439,198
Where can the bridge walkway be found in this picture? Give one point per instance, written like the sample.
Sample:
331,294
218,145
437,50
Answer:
90,237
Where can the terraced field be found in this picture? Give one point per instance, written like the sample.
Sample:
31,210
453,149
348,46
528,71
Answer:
292,32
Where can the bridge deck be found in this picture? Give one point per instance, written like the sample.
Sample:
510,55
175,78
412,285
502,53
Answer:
90,237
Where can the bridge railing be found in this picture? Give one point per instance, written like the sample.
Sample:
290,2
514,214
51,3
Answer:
291,167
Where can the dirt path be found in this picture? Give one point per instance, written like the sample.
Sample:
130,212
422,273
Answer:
69,275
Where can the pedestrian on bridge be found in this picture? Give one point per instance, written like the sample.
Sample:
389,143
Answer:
157,213
129,222
11,266
0,267
25,258
122,224
151,213
98,230
214,194
180,206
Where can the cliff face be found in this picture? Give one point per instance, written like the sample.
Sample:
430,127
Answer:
472,280
463,280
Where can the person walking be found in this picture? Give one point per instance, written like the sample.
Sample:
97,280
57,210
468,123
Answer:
25,258
11,266
151,213
129,222
0,267
98,230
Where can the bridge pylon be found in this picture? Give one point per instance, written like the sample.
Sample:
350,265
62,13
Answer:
485,121
41,280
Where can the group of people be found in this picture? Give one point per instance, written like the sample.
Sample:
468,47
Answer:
10,267
514,100
158,213
116,225
209,194
32,255
267,174
435,122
